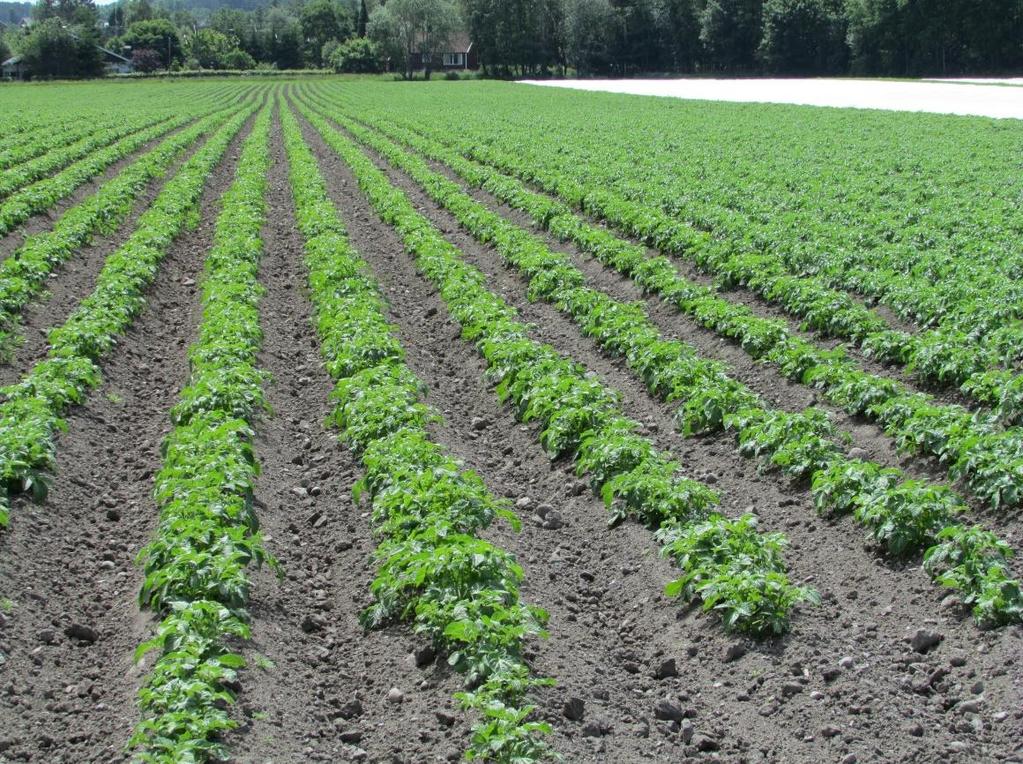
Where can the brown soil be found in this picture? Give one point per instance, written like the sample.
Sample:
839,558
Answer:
70,562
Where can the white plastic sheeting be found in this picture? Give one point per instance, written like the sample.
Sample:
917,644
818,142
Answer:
939,97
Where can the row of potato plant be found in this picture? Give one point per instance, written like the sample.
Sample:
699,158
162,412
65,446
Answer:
43,194
973,445
460,591
963,280
939,357
15,178
905,516
30,414
57,133
23,275
953,267
195,567
54,125
727,565
42,119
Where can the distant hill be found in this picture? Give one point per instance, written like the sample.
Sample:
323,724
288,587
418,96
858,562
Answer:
212,5
14,13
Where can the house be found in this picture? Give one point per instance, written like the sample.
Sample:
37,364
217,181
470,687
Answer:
14,69
459,53
113,63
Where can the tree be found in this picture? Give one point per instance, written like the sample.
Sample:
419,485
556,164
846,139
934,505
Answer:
115,20
184,19
323,20
239,60
53,50
875,39
70,11
283,39
361,24
589,25
5,48
146,60
355,56
241,26
382,31
510,35
803,36
208,49
415,28
139,10
679,26
635,45
159,35
730,33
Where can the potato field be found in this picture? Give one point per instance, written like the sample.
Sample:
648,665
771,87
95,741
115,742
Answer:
354,420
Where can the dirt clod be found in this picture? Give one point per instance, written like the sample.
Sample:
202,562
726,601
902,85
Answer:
574,709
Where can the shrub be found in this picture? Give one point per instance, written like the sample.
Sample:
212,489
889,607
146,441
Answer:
356,56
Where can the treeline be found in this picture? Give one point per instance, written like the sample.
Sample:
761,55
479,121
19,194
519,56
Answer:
62,37
626,37
530,37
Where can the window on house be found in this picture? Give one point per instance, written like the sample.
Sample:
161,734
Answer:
454,59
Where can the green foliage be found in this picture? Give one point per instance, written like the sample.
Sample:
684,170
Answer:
520,37
23,275
321,21
732,568
798,444
184,695
407,28
157,35
27,200
846,484
908,517
32,409
917,421
53,49
356,56
975,563
238,60
804,36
